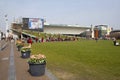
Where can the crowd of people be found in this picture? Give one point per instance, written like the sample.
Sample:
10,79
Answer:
31,40
49,39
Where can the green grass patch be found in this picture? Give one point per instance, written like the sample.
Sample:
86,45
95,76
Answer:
81,60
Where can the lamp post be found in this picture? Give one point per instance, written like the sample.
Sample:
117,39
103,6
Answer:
0,35
6,28
21,31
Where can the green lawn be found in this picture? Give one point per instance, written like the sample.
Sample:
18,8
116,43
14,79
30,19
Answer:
81,60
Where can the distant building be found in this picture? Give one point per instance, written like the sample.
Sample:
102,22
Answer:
101,31
115,34
16,25
37,24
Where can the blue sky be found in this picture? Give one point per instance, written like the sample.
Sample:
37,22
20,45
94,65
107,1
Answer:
81,12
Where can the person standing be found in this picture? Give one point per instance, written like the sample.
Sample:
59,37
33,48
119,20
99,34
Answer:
30,40
42,39
114,41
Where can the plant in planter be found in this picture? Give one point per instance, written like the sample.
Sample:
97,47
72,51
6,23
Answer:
37,64
19,46
25,52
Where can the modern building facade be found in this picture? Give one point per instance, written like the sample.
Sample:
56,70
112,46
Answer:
64,29
37,24
101,31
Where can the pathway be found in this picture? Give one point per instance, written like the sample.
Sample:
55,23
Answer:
13,67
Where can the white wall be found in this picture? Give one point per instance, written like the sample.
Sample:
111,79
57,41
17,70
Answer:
64,30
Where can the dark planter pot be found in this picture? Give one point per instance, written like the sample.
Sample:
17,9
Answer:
37,69
25,54
19,47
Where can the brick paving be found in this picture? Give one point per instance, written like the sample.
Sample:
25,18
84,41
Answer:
20,65
4,63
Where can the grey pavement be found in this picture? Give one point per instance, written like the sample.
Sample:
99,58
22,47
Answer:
13,67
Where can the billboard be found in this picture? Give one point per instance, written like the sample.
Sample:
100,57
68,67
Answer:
33,23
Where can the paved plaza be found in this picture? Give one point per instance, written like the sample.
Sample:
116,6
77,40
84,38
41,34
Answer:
12,66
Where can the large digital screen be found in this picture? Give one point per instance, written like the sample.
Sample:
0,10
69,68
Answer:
35,23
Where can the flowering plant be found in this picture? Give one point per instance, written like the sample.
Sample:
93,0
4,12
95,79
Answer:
19,44
25,49
37,59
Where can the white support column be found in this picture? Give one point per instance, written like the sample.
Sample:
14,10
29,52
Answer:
108,30
92,31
